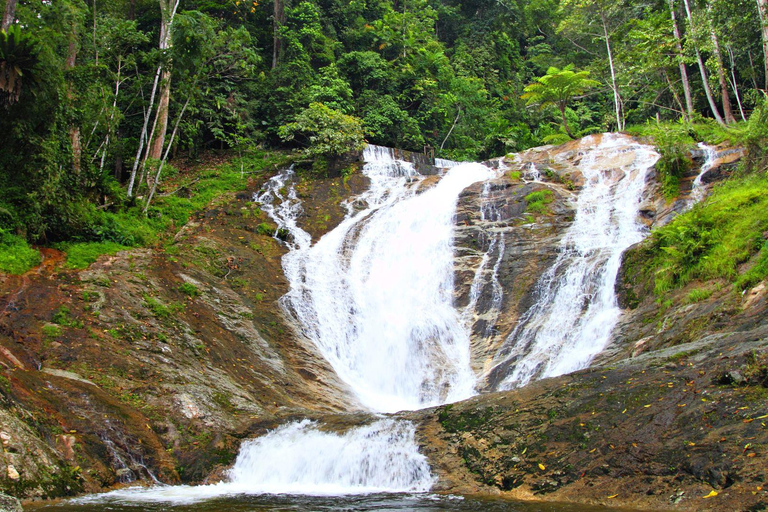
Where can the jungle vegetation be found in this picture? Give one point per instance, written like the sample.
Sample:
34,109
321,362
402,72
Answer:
98,99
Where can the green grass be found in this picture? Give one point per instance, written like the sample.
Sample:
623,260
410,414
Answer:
16,257
715,239
159,309
674,140
51,331
189,289
82,254
698,295
91,231
536,202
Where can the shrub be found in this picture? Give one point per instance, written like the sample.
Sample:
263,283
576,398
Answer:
16,257
324,131
536,202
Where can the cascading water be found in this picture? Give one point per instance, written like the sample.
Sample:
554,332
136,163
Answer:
576,307
375,294
298,458
698,189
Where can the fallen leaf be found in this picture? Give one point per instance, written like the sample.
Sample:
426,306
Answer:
711,494
612,496
542,467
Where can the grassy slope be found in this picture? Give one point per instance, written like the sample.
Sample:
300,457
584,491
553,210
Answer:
126,226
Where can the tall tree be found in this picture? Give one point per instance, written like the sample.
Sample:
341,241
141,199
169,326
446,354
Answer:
606,14
277,39
702,68
8,14
168,10
558,87
681,60
726,101
762,9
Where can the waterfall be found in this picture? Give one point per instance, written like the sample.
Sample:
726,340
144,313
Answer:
699,188
375,294
301,459
576,307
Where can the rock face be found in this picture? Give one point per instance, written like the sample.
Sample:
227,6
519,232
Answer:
157,363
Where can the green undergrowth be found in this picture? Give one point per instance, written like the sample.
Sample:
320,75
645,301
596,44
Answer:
126,226
16,256
536,202
674,141
722,238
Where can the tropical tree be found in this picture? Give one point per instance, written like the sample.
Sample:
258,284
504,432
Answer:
558,87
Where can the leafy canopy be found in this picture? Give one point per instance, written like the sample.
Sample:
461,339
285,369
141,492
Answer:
557,88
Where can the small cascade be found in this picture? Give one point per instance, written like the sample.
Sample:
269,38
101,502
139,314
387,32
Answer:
576,308
375,294
301,459
531,174
487,275
442,163
699,188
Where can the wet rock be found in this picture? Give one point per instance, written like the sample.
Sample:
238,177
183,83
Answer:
9,504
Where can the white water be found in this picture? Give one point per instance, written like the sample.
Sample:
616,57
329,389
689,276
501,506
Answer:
298,458
375,295
699,189
576,308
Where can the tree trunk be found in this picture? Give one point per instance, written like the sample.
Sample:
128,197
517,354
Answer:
703,71
143,137
74,130
735,85
565,122
762,9
165,157
616,96
167,12
164,100
8,14
680,62
727,112
675,95
277,40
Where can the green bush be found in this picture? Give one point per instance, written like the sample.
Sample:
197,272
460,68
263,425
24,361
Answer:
324,131
715,238
82,254
16,257
536,202
189,289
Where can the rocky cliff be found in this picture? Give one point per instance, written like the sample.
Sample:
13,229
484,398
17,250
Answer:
156,363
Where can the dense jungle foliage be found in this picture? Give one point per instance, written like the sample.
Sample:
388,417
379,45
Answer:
96,97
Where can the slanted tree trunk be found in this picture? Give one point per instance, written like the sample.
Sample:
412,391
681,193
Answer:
167,13
675,95
277,40
762,9
143,137
735,85
726,100
616,96
703,71
680,62
8,14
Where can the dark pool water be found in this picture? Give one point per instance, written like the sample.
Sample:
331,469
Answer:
258,503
